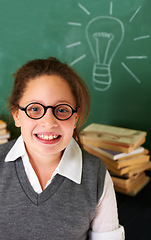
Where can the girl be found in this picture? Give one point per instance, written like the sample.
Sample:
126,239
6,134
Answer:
50,187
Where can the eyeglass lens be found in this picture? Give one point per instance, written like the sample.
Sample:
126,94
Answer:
61,111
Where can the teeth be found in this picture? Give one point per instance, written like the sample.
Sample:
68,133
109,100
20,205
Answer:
47,137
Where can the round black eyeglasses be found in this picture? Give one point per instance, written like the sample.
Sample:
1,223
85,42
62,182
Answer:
37,110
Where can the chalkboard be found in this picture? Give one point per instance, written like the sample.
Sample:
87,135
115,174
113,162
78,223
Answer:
107,42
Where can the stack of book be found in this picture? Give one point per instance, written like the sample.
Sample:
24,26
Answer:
122,151
4,132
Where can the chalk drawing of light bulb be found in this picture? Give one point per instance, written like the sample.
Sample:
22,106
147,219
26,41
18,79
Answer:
104,35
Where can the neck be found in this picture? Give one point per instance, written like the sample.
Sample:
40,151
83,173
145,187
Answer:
44,167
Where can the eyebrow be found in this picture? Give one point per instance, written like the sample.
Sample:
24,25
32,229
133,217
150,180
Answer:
57,103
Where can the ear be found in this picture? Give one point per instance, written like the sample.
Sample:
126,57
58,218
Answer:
76,118
15,114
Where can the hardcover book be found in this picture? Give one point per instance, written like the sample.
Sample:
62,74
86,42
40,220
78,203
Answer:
2,124
113,138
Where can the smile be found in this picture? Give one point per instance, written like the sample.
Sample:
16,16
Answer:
47,137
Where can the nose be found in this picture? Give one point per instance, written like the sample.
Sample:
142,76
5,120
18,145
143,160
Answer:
49,119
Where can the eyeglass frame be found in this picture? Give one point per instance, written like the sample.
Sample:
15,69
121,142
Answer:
45,110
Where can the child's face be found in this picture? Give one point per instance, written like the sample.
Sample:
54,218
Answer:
37,134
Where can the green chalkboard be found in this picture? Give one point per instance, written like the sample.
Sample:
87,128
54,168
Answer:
107,42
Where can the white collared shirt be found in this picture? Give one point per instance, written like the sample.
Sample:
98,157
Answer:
105,224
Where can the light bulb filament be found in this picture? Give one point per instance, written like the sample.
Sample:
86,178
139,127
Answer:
103,41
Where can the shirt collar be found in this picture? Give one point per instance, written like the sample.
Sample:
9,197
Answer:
70,165
18,150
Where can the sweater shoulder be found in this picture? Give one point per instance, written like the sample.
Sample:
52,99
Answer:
93,160
5,148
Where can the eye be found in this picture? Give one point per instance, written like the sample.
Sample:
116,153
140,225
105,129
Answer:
63,111
35,110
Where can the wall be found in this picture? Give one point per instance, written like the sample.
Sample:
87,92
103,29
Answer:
107,42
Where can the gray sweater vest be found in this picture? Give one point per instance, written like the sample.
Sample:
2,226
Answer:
63,211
